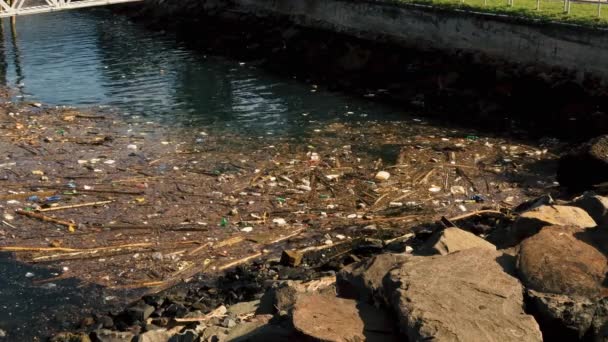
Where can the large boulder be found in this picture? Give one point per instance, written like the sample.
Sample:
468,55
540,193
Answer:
564,273
452,240
584,166
462,296
532,221
363,280
328,318
556,261
596,206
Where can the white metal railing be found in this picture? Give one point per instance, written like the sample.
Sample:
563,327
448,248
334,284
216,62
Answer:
10,8
538,5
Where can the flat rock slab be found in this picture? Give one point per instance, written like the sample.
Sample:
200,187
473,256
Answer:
462,296
532,221
453,239
334,319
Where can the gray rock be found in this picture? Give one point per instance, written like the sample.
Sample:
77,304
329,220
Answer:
243,308
572,313
462,296
140,312
363,280
596,206
454,239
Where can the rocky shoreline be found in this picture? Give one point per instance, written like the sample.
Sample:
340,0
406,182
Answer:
545,282
533,273
448,236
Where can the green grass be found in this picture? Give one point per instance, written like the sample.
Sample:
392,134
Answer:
550,10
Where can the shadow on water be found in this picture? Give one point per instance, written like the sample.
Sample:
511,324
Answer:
32,306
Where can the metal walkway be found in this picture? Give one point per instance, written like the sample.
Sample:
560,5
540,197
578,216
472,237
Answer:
12,8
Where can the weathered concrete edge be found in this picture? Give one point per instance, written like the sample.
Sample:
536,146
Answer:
528,42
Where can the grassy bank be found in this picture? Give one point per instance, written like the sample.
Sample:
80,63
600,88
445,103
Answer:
582,13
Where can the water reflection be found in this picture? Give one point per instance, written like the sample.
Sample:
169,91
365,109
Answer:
88,58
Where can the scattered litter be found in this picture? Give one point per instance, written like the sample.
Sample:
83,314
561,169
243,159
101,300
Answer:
434,189
382,176
279,221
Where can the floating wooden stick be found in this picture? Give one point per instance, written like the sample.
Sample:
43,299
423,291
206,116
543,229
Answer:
36,249
94,252
71,226
475,213
240,261
74,206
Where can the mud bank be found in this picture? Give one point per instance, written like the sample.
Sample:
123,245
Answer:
527,89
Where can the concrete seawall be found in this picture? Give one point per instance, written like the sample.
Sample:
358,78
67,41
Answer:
580,49
501,73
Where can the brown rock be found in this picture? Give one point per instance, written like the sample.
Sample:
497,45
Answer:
327,318
556,261
532,221
564,271
462,296
291,258
451,240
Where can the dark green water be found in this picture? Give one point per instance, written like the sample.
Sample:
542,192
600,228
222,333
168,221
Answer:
93,58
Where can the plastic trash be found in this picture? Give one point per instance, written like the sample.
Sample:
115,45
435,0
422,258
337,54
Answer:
55,198
478,198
